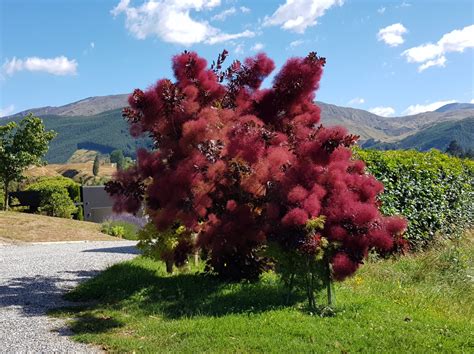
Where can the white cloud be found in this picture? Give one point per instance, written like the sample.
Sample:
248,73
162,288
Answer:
224,37
171,21
441,62
239,49
56,66
7,110
257,46
92,44
392,35
383,111
297,15
472,101
356,100
381,10
420,108
296,43
221,16
430,54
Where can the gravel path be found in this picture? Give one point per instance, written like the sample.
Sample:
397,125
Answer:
32,279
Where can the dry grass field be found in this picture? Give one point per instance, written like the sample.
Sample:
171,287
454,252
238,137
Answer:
78,167
22,227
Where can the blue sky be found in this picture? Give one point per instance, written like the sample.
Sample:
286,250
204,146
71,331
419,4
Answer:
390,57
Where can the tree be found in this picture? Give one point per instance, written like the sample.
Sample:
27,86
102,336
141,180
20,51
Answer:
21,145
118,158
454,149
96,165
245,168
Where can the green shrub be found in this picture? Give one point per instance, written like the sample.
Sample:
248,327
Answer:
171,246
121,229
80,213
434,191
58,195
57,204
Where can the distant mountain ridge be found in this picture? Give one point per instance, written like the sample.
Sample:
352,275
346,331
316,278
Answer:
86,107
437,136
95,123
455,107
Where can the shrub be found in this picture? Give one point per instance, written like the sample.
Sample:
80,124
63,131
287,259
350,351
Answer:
434,191
58,195
117,230
120,229
241,166
80,213
171,246
57,204
73,189
129,223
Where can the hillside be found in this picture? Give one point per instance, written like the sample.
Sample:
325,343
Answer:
103,132
437,136
95,123
23,227
78,167
455,107
87,107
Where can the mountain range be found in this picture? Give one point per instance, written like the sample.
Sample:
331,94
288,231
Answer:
95,123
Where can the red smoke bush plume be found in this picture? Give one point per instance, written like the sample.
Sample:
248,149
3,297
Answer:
241,165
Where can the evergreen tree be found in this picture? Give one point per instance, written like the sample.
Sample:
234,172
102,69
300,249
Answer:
118,158
96,166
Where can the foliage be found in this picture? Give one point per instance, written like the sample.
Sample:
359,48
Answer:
96,165
61,190
21,145
171,246
124,226
413,304
80,213
433,191
73,189
304,270
118,158
138,222
241,165
57,203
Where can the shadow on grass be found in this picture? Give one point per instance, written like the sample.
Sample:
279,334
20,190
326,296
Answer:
181,295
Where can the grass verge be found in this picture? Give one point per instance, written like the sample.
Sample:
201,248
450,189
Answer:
413,304
23,227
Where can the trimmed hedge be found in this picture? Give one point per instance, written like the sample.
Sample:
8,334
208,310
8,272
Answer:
58,195
434,191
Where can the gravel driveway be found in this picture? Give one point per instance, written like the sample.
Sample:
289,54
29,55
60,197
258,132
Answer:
32,279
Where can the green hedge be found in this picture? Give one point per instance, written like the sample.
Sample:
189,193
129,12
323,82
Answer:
58,195
434,191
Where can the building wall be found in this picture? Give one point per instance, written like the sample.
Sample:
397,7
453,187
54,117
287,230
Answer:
97,203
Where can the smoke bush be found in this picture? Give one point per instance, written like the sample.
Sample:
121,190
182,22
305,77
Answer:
243,166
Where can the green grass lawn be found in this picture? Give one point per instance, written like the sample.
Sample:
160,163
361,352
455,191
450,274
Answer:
414,304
